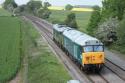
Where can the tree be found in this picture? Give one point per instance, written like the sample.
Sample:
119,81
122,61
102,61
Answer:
44,12
107,30
94,20
113,8
33,6
10,3
46,4
6,3
14,4
68,7
71,20
20,9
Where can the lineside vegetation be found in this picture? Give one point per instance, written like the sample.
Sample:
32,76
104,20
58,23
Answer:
43,65
107,23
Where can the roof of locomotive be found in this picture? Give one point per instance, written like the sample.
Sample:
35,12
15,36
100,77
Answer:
81,38
60,28
87,40
72,34
76,36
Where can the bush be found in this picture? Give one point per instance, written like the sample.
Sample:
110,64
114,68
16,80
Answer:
44,13
121,33
107,30
68,7
71,21
94,20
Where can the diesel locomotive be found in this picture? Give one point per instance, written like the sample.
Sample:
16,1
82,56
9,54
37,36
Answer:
85,50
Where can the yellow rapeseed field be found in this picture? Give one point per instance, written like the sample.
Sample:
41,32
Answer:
82,9
56,8
74,9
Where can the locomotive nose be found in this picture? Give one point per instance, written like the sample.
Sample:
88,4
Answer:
93,58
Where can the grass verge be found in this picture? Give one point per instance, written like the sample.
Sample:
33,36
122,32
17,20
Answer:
118,48
43,66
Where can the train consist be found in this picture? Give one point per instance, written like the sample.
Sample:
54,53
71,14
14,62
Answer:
86,51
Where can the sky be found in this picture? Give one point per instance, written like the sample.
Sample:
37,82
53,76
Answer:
64,2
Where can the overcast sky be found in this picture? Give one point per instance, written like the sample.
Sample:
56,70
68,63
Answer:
64,2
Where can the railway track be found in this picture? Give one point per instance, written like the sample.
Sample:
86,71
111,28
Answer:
92,78
115,68
111,73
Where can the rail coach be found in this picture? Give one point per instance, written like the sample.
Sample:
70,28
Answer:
86,51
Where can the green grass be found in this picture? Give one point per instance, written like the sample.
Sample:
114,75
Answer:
4,12
46,69
43,66
118,48
82,18
9,47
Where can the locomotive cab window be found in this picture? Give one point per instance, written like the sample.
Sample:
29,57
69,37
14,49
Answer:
98,48
93,48
88,49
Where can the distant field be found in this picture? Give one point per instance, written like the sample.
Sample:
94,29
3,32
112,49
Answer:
81,17
9,46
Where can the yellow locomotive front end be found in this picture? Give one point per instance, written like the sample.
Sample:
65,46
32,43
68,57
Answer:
93,57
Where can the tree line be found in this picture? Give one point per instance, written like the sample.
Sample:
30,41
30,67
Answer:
107,22
32,7
38,9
